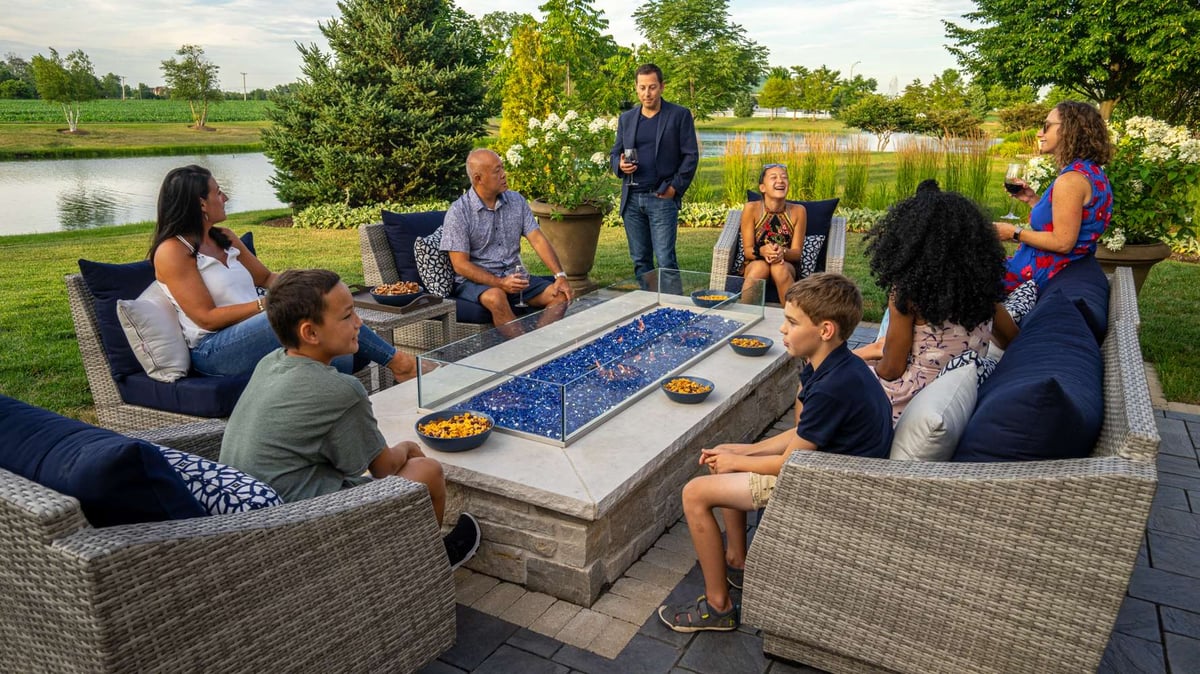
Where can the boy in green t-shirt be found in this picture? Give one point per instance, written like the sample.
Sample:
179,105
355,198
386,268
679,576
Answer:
307,429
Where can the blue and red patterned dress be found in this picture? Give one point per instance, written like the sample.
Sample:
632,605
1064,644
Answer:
1039,265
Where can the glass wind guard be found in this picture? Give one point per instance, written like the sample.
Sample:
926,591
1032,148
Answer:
556,374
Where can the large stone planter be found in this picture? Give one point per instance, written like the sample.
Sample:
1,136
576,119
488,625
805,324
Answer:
1139,257
574,236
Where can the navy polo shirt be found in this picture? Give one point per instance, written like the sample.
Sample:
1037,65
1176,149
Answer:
845,408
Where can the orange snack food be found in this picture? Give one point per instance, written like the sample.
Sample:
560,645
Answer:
684,385
459,426
713,298
398,288
747,343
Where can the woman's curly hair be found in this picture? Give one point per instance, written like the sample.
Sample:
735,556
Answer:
938,256
1083,134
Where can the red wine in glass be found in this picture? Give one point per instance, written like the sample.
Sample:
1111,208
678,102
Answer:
1013,188
631,157
1011,175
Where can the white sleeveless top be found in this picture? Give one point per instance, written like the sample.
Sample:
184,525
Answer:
230,284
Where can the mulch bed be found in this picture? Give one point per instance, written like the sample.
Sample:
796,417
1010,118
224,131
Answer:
279,222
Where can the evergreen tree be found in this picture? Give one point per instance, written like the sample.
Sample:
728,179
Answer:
392,117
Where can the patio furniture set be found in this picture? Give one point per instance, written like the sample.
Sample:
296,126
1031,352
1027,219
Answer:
857,565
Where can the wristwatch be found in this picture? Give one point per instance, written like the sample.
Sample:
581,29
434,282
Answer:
1017,233
561,274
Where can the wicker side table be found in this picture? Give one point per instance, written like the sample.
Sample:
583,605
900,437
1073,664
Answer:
385,323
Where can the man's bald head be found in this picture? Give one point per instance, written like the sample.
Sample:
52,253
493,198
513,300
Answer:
486,173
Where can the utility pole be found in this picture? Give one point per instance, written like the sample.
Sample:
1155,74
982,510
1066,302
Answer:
122,87
243,86
852,68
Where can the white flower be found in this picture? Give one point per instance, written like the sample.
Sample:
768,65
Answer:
612,123
599,159
513,156
551,120
549,137
532,142
1156,152
534,124
1189,151
597,125
563,127
1114,238
571,116
1136,185
1039,172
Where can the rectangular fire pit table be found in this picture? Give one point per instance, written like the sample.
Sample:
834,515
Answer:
567,520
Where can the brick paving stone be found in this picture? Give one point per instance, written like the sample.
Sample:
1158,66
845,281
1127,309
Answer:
623,608
1175,438
1130,655
555,618
1181,481
639,589
528,608
538,644
1180,622
642,656
1171,497
1138,618
610,642
478,636
583,628
1183,653
677,542
724,652
499,598
1193,499
1174,522
1180,465
471,586
785,667
439,667
654,574
1175,554
507,659
672,560
1163,587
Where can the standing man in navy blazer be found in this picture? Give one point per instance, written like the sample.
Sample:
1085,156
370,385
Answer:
664,136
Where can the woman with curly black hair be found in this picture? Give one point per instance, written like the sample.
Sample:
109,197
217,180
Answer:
1066,222
938,258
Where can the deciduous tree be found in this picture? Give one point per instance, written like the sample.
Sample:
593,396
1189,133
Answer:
67,82
530,89
1103,50
776,91
389,114
879,115
193,78
706,59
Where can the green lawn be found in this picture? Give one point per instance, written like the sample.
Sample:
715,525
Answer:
45,141
41,361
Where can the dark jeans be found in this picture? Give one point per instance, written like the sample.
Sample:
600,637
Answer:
650,226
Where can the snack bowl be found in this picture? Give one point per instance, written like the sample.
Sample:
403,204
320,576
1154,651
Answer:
688,390
453,444
397,300
740,346
710,298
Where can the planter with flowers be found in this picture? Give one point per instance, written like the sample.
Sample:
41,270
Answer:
562,167
1154,174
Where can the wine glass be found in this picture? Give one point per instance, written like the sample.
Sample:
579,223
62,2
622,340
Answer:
631,156
522,273
1014,188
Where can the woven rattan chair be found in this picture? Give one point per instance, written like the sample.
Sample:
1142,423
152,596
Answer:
352,581
724,251
111,410
864,565
379,266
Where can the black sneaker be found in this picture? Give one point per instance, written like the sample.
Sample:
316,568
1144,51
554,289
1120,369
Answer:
462,541
734,576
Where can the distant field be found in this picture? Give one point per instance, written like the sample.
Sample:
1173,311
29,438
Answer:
104,111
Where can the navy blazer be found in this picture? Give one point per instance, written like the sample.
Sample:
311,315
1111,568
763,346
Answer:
676,155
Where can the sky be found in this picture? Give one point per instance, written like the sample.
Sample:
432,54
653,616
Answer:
889,40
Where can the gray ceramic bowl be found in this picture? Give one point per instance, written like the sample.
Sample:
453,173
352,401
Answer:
454,444
688,398
751,350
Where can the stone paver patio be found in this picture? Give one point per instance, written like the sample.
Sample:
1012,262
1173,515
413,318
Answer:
503,628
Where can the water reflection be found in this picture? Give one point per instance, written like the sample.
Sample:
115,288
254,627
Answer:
74,194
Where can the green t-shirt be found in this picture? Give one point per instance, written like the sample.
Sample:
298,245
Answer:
303,427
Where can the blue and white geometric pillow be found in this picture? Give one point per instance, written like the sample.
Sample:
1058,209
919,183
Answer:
813,244
433,264
218,488
983,365
1021,300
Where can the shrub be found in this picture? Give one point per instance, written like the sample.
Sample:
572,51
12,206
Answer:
743,105
1023,116
341,216
860,219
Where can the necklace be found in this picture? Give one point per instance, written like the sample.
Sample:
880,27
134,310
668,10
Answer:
770,212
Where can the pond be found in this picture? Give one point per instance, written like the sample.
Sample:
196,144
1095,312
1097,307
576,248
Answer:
69,194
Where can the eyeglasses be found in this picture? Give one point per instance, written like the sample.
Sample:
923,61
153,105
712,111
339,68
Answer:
1047,124
771,166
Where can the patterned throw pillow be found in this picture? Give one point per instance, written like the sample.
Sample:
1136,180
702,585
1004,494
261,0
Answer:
433,264
218,488
813,245
1021,300
983,365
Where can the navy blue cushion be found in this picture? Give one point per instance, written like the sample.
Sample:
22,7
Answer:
195,394
404,228
1045,398
118,480
1084,283
818,218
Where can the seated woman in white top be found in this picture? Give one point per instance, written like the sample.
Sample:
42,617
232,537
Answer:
213,280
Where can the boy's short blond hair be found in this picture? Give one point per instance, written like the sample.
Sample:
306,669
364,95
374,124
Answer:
826,296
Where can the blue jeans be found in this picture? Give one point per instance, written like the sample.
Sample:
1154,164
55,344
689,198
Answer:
238,348
650,226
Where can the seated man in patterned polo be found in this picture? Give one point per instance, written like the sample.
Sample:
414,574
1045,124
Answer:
482,234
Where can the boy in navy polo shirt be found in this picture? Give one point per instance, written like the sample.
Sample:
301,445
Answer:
843,410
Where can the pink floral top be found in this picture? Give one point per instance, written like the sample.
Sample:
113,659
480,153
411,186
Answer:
933,346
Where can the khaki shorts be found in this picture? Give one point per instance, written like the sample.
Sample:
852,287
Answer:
761,487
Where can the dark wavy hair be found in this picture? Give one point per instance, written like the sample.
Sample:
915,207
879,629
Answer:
939,257
1083,134
179,211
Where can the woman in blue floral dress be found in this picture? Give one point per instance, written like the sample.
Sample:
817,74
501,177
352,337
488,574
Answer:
1066,222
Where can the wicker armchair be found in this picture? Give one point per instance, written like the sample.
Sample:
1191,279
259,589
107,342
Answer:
863,565
724,251
353,581
379,266
111,409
